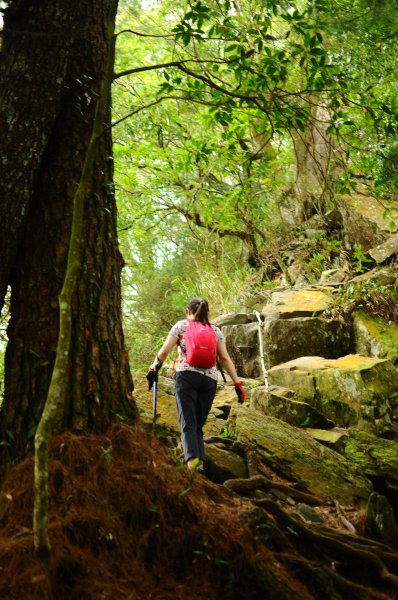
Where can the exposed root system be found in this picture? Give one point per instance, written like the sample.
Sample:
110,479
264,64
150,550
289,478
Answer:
126,523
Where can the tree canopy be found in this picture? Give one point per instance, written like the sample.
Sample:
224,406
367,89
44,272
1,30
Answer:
241,114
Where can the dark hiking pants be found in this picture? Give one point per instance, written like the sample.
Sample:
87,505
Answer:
194,394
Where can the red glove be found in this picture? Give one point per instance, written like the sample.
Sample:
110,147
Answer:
240,392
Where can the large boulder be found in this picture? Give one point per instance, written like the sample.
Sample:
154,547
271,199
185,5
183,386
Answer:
289,304
373,456
283,340
243,346
281,403
233,319
287,339
223,464
363,219
375,337
349,391
298,457
290,326
386,250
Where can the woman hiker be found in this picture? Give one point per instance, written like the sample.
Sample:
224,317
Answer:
195,386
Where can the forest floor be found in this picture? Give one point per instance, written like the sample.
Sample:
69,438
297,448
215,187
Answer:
126,523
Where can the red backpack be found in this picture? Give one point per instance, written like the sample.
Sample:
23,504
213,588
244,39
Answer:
201,344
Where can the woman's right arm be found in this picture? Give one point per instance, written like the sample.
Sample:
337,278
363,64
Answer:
170,343
226,361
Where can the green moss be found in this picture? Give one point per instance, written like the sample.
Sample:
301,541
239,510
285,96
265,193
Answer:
375,337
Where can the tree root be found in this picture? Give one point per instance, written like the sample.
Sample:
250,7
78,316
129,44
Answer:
334,547
241,486
325,574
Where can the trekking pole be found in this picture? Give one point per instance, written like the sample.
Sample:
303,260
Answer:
155,396
219,367
260,339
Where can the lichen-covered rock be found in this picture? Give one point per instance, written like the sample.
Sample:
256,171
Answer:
385,250
374,337
332,438
350,391
166,404
289,304
298,457
373,456
363,219
223,464
281,403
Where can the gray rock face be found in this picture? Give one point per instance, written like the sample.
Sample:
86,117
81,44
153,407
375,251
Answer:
384,251
284,340
287,339
363,219
233,319
243,345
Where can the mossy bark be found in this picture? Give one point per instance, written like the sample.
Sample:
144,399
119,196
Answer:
53,412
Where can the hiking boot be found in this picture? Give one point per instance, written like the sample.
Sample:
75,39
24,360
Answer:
200,470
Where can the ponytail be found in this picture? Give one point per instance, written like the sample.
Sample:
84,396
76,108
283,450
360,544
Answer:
199,309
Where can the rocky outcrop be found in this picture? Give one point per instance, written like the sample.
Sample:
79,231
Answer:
373,456
363,219
315,420
293,303
373,337
282,403
350,391
385,250
298,457
290,327
286,339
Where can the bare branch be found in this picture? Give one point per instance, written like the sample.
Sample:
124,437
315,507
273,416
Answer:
150,35
174,63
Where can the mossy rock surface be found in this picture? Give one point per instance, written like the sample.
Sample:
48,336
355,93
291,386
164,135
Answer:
281,403
374,456
288,304
352,390
298,457
283,340
374,337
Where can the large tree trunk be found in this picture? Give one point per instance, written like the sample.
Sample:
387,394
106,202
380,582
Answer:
35,47
316,160
99,383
